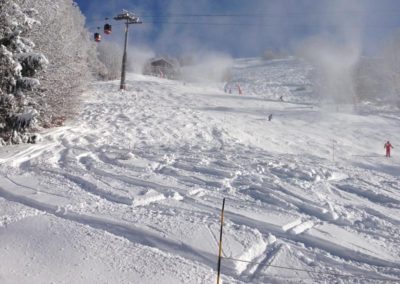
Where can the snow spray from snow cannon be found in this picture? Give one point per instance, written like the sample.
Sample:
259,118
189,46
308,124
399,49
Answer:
336,53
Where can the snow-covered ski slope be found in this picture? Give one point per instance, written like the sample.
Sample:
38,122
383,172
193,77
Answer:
131,191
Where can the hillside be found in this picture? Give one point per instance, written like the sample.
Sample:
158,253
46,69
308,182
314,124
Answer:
131,191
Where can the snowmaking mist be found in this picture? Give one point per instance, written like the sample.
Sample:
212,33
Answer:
335,51
138,57
334,69
206,67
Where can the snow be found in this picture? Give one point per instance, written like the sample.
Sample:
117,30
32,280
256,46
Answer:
131,191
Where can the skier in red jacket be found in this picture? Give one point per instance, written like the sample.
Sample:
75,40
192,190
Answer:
387,147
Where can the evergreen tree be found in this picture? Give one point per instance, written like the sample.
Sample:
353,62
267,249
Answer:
33,35
18,66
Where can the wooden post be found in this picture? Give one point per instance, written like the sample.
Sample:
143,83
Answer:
220,241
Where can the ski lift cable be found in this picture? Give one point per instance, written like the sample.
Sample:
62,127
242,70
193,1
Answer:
248,24
258,15
302,26
254,24
268,14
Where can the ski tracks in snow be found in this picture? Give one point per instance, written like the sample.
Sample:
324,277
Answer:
151,166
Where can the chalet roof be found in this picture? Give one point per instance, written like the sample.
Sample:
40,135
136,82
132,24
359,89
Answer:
161,61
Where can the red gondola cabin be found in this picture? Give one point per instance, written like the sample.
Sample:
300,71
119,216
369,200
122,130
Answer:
97,37
107,29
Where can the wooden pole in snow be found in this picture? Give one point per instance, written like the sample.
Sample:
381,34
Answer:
220,241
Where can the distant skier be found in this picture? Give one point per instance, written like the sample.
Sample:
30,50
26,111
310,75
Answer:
387,146
270,117
281,98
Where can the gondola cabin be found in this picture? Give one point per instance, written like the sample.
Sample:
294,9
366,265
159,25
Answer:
107,29
97,37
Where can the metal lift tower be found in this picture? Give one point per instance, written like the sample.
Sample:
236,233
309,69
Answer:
129,18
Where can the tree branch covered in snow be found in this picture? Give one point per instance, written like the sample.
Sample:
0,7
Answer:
72,58
18,65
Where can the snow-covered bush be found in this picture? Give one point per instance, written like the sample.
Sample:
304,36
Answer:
31,62
72,57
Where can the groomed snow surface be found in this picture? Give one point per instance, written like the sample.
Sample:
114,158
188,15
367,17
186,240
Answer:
131,191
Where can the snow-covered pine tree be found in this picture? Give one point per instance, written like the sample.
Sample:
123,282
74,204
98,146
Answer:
18,66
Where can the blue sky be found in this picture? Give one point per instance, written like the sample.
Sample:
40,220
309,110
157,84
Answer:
253,26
